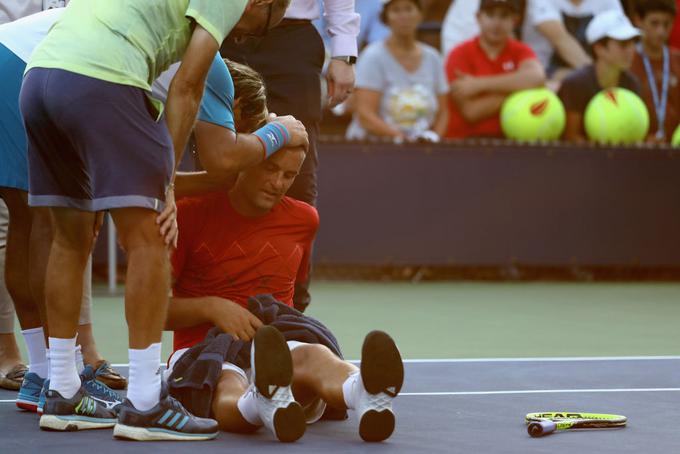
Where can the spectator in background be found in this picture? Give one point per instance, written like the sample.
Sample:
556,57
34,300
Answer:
485,70
401,87
460,24
555,30
372,29
612,38
657,66
674,40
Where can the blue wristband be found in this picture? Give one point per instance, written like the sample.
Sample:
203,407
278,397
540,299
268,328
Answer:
273,136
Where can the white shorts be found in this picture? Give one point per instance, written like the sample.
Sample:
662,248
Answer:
313,411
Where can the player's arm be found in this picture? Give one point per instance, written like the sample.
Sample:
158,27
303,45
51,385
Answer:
573,131
368,108
226,315
564,43
530,74
481,107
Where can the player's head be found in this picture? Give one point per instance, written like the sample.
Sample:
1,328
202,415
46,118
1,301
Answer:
655,19
497,20
264,185
613,38
258,18
403,17
250,103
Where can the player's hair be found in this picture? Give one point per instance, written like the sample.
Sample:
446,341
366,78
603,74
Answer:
386,6
250,90
644,7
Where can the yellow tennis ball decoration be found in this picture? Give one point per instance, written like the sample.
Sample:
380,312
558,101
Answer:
616,116
675,141
533,115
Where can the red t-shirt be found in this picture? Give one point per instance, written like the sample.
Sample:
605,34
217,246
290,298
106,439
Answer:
470,58
222,253
674,40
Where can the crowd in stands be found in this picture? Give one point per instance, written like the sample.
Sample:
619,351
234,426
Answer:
408,90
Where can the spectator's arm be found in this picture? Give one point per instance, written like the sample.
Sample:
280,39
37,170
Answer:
574,129
481,107
368,108
441,120
564,43
530,74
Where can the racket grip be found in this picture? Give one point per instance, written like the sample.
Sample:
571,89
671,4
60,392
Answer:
540,428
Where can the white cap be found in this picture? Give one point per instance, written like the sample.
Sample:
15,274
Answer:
612,24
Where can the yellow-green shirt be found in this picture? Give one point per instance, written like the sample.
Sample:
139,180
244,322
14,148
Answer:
130,42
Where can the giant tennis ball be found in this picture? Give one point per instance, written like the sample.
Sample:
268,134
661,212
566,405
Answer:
616,116
675,141
533,115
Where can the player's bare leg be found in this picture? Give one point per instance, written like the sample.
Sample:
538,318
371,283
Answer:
229,390
318,372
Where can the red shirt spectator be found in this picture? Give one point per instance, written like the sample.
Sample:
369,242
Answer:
675,35
225,254
470,58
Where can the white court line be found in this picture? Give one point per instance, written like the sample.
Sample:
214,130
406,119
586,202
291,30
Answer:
523,360
528,391
544,391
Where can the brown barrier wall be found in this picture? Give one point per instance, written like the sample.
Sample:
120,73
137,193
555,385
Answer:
494,205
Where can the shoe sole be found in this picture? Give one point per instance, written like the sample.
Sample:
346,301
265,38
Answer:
27,406
154,434
273,367
74,423
382,371
290,423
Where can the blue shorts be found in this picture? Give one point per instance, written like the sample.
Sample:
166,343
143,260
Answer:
13,164
93,145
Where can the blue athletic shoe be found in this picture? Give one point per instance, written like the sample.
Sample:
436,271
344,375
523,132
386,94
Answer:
29,393
168,420
99,391
96,389
41,400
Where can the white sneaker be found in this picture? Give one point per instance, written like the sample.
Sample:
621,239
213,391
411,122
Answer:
272,375
382,374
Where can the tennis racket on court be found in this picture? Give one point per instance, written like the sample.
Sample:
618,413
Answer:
539,424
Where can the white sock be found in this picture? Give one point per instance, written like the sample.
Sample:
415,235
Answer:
47,353
80,365
35,344
350,389
63,374
144,385
248,408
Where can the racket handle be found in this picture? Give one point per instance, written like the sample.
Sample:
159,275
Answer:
540,428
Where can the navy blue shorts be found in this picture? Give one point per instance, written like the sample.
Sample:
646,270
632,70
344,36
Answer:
93,145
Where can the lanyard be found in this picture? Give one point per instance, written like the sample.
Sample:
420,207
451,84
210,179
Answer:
660,103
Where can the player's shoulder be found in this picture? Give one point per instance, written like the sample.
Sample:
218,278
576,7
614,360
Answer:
305,213
580,75
202,203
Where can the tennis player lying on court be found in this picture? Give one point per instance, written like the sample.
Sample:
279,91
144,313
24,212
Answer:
249,240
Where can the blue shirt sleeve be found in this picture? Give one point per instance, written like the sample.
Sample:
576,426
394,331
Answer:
218,97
